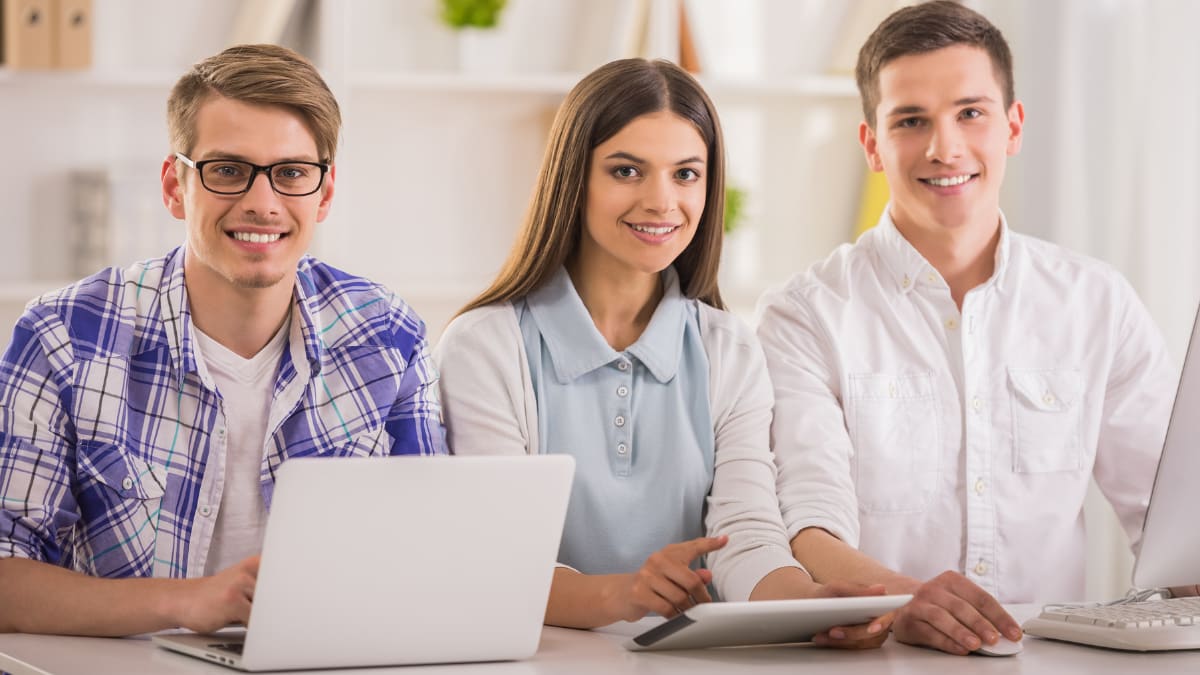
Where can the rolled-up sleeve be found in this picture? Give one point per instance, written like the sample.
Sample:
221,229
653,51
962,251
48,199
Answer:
36,451
808,434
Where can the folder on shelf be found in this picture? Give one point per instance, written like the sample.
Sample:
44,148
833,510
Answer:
73,33
27,28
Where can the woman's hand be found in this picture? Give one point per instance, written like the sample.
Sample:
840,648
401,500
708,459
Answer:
665,584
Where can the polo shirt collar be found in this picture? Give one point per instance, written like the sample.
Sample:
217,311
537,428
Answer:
576,346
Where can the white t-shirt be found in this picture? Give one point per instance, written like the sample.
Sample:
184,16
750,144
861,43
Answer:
246,387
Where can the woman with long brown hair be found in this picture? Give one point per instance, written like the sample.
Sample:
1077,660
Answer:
604,337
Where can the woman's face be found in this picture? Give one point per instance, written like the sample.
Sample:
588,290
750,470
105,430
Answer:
645,194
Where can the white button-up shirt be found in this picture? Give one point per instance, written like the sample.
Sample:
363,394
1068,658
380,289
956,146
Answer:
936,439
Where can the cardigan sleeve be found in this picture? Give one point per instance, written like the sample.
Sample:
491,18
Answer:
487,398
742,503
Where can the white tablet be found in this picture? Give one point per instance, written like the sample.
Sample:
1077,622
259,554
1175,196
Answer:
731,624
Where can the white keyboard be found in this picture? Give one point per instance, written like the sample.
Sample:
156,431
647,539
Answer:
1135,626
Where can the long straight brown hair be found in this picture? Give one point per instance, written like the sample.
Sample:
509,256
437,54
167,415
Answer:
595,110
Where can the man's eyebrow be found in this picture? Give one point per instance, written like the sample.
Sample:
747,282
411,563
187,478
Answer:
905,110
968,100
917,110
218,154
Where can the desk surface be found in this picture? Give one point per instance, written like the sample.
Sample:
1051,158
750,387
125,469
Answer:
600,653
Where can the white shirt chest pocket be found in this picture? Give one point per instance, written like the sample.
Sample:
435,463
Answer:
1046,423
894,427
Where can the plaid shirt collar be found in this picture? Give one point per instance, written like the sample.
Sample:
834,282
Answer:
177,318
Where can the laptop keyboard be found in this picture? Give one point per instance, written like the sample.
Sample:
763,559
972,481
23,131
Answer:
1137,626
231,647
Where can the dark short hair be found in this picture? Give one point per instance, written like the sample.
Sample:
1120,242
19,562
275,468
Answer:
925,28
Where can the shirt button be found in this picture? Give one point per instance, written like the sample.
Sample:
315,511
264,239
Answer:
951,324
981,568
932,278
619,421
622,448
622,365
907,282
977,404
206,510
1048,399
622,391
892,390
980,486
127,483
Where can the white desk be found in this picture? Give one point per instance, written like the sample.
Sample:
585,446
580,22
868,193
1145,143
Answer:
572,652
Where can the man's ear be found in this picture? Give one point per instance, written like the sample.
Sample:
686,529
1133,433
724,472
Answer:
326,195
866,138
172,188
1016,124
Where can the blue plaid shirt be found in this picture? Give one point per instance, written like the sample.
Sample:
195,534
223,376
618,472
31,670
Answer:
106,427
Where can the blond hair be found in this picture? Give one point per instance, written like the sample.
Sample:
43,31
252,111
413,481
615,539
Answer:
258,74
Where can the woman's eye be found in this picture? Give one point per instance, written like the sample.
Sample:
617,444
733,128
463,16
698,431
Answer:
625,172
687,174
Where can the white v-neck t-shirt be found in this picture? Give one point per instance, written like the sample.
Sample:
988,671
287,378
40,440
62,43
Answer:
246,387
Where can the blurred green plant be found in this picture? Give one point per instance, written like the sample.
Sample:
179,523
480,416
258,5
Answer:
735,207
471,13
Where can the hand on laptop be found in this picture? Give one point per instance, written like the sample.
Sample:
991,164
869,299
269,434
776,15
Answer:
953,614
212,603
665,584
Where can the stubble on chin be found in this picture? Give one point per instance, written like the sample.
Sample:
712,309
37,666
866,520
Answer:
257,280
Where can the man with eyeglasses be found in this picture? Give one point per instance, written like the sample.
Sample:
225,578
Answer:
144,411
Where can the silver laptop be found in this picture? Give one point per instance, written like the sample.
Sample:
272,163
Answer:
400,560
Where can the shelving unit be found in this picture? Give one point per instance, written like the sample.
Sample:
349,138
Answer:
436,164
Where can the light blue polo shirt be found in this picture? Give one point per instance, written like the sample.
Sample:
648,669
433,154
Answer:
637,423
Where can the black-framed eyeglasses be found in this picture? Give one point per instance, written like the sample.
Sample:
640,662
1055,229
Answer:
235,177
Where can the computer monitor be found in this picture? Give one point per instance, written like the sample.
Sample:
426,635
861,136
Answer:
1170,546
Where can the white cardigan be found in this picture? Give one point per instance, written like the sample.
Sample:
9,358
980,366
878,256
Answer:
490,409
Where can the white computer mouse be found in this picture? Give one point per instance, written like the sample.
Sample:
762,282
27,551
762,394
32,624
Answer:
1003,647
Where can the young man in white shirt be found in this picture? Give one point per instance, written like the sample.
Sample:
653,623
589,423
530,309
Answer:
945,387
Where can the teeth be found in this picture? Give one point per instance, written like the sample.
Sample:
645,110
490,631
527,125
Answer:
947,182
256,238
652,230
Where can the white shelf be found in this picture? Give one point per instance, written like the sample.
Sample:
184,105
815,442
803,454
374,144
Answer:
558,84
551,84
98,79
783,88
